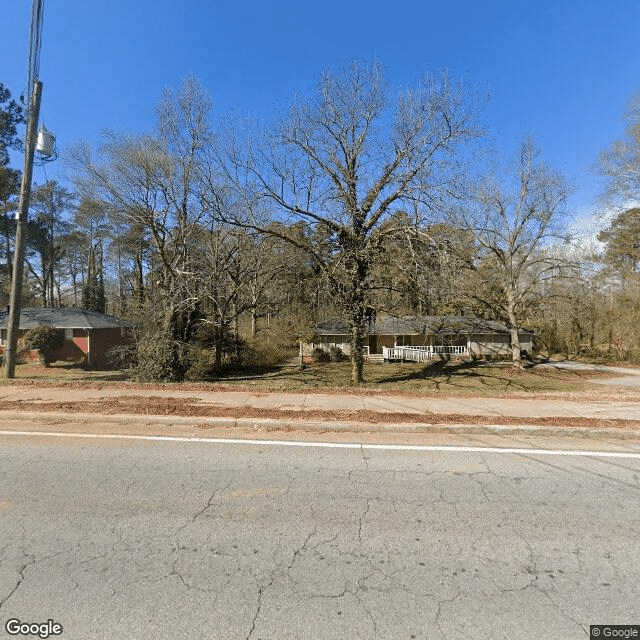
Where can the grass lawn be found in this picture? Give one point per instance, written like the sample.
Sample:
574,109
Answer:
442,378
437,378
65,372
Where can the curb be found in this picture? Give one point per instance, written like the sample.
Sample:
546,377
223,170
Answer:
270,424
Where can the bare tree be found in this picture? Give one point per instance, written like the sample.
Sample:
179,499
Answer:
228,268
153,182
620,164
422,269
341,162
515,220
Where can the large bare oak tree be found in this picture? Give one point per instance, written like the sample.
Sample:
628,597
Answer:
344,160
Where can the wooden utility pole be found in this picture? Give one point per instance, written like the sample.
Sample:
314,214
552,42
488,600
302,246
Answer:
13,317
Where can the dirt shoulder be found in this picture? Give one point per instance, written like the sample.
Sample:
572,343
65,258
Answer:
139,406
453,394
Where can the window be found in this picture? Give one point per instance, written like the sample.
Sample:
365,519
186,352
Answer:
68,334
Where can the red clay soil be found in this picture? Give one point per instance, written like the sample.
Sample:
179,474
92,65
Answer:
595,392
192,407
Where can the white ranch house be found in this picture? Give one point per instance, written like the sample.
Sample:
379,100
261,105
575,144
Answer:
420,338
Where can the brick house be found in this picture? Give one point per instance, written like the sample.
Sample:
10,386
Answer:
89,335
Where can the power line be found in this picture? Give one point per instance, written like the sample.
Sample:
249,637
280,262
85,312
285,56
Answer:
33,112
35,41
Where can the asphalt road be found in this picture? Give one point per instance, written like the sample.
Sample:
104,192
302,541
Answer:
144,539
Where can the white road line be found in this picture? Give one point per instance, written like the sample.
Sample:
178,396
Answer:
327,445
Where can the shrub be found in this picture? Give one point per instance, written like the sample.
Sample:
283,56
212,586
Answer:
320,355
336,354
122,356
160,359
201,363
44,339
265,356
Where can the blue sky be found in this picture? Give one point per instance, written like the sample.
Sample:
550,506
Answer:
562,70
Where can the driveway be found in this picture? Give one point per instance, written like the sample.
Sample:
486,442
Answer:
625,376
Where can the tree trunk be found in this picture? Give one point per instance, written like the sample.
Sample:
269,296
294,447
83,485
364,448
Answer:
515,347
357,357
7,241
218,350
51,282
513,329
358,317
254,312
139,278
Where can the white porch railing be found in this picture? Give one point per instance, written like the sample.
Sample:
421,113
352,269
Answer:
422,354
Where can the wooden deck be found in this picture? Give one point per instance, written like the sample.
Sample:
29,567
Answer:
422,354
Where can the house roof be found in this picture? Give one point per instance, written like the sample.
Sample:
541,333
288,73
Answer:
64,318
416,325
383,325
463,325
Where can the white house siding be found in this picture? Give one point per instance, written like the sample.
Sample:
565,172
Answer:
488,345
526,342
479,344
496,344
326,342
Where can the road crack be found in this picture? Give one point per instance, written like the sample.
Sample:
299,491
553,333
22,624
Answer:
210,501
20,580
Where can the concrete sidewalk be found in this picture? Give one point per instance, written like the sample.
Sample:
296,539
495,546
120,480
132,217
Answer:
471,406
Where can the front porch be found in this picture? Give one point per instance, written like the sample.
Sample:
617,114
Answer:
424,353
387,348
421,338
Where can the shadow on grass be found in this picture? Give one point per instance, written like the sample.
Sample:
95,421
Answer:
439,375
108,376
459,373
255,373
